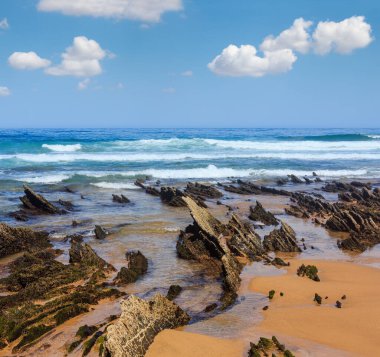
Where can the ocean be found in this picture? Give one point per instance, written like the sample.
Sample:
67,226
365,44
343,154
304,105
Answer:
114,158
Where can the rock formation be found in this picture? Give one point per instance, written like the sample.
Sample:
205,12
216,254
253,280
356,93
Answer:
249,188
258,213
15,240
281,240
140,321
100,232
35,202
137,266
199,190
120,199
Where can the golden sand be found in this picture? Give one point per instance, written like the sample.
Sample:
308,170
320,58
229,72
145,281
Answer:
354,328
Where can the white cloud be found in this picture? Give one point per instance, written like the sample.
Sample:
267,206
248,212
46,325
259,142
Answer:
82,85
187,73
82,59
278,52
243,61
342,37
4,25
295,38
144,10
27,61
4,91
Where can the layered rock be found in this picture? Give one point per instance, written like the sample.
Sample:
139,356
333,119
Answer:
258,213
15,240
172,196
67,290
35,202
216,245
140,321
281,240
249,188
199,190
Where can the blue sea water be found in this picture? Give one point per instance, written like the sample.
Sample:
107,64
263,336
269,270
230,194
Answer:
113,158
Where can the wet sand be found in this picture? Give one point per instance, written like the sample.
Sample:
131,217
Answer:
354,328
175,343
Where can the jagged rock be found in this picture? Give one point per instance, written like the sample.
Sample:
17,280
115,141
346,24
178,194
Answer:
100,232
84,255
249,188
282,240
140,321
35,202
140,183
120,199
307,180
318,299
172,196
243,242
173,292
278,261
137,266
258,213
311,271
281,181
205,191
15,240
295,179
204,241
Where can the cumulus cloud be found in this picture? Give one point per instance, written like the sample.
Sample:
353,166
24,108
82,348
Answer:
4,91
278,53
143,10
27,61
244,61
4,25
294,38
342,37
82,59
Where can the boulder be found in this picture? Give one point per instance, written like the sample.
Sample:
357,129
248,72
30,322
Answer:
258,213
140,321
282,240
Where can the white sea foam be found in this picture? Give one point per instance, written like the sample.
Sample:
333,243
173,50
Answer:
62,148
143,157
45,178
116,185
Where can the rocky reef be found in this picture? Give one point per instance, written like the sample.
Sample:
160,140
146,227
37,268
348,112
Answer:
140,321
258,213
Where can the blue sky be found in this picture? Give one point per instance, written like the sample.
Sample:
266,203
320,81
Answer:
150,65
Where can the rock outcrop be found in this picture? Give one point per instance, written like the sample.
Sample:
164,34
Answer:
140,321
281,240
249,188
84,255
137,266
15,240
172,196
100,232
200,190
120,199
216,245
258,213
35,202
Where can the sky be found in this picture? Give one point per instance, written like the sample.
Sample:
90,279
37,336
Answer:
189,63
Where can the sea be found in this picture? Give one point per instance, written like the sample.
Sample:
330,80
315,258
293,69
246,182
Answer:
114,158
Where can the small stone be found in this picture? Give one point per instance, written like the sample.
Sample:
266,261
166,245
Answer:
265,308
317,299
210,307
338,304
281,293
271,294
344,297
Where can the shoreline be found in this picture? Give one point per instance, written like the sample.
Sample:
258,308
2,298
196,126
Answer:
156,235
